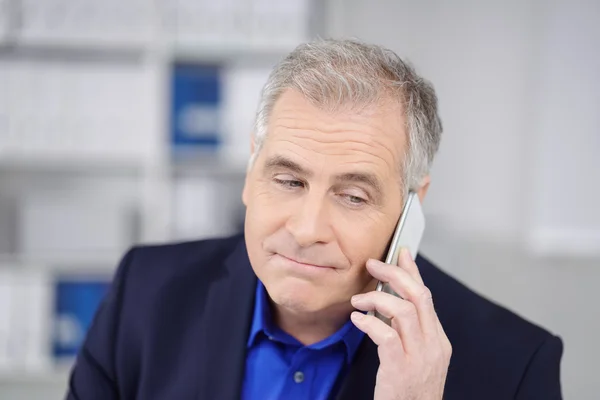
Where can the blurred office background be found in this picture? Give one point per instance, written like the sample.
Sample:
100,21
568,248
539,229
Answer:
128,121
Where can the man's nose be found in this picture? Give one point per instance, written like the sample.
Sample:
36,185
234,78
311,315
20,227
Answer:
310,222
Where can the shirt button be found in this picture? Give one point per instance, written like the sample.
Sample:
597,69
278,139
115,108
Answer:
298,377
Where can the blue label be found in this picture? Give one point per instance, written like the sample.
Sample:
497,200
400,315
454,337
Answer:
195,106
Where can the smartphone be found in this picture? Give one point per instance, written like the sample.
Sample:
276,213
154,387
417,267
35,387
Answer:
408,234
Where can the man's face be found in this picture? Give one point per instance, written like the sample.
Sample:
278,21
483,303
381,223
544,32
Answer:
323,196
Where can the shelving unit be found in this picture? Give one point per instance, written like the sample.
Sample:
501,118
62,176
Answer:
84,125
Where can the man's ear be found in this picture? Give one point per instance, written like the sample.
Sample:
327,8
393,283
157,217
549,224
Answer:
245,190
423,188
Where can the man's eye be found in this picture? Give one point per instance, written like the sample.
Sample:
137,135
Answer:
289,183
355,200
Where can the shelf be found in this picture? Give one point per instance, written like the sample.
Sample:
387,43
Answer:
227,53
183,163
71,163
73,50
189,51
201,165
58,375
89,264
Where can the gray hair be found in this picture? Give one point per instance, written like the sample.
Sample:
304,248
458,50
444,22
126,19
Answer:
336,73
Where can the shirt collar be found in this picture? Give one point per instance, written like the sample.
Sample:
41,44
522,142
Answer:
262,322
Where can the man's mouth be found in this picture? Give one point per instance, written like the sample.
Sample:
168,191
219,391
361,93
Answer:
304,263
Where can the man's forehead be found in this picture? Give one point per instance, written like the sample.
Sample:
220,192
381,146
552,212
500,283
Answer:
374,135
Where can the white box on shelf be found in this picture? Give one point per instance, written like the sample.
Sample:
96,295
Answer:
64,227
205,207
279,22
100,24
241,91
236,24
196,209
80,111
30,332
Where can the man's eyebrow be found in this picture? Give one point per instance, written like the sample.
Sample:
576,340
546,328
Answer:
361,177
286,163
366,178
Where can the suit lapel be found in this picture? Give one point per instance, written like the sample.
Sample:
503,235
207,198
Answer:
229,306
359,382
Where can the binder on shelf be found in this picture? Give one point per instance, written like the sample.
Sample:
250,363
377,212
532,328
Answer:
76,302
5,316
5,15
195,107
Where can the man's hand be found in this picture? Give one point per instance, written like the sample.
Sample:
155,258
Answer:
414,351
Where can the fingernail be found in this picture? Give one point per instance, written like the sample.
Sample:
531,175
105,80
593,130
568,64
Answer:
406,257
356,298
357,316
373,263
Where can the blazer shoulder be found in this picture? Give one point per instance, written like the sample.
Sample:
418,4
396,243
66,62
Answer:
153,267
491,345
477,322
181,253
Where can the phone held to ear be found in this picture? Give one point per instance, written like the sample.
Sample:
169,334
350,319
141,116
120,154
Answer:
408,234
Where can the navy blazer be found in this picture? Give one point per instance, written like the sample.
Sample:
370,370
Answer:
175,322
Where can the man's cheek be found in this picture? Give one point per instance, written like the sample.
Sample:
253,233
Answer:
268,197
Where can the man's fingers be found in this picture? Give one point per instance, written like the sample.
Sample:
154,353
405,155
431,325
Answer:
409,289
406,262
380,333
402,313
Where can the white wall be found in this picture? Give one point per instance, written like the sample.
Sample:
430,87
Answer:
566,190
494,65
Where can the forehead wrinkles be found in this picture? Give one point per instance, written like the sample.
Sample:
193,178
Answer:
340,139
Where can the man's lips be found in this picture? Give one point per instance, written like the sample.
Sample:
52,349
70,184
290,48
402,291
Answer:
305,264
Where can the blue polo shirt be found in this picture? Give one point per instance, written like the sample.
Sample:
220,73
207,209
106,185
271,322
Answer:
280,367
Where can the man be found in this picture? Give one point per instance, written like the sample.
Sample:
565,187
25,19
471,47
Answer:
344,130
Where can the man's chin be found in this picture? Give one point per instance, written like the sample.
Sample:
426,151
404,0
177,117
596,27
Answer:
297,295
